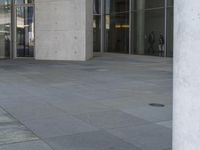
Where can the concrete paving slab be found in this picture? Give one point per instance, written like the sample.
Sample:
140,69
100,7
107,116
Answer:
153,114
111,119
58,126
32,145
148,137
109,91
98,140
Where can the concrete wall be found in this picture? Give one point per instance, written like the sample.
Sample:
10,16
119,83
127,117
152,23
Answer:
63,29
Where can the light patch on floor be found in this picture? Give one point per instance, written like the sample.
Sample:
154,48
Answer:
11,131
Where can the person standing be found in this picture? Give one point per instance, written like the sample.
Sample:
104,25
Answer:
151,40
161,46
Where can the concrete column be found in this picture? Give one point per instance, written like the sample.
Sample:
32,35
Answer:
64,29
186,126
140,26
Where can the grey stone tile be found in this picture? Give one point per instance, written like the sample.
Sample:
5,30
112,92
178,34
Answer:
2,111
154,114
32,109
5,119
138,99
31,145
81,106
111,119
12,133
58,126
148,137
168,149
98,140
167,124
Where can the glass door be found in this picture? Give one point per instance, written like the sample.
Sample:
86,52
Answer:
5,26
25,37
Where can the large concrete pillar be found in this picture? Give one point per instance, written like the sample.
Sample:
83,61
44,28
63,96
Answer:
140,26
64,29
186,127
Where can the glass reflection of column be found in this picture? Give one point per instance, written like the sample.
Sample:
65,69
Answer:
97,17
131,26
26,32
140,26
170,27
4,30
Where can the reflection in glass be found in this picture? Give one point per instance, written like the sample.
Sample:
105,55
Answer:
154,3
170,14
5,38
24,1
154,31
170,3
148,29
149,4
113,6
117,33
25,32
5,2
97,26
97,7
147,26
96,33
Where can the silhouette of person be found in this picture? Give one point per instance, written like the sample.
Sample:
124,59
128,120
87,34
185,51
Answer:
161,46
7,45
151,40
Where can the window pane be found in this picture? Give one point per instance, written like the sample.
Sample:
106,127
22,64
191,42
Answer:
147,4
25,32
113,6
117,33
5,2
154,3
170,3
96,33
170,15
149,32
97,7
24,1
5,38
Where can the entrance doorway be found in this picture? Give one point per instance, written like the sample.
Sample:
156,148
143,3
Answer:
17,38
25,31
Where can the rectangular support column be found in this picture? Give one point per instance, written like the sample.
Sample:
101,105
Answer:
64,29
186,115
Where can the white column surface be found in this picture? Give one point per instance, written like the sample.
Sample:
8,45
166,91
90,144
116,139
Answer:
63,29
186,126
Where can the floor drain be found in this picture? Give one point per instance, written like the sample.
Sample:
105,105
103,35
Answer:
156,105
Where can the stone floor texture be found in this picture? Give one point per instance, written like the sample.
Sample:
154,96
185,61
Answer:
101,104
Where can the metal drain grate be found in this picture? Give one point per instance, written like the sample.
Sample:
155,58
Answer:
156,105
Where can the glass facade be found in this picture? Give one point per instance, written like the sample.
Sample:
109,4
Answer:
24,1
5,28
25,31
97,26
143,27
149,27
117,26
170,28
17,28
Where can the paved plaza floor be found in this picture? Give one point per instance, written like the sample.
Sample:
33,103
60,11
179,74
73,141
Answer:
100,104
